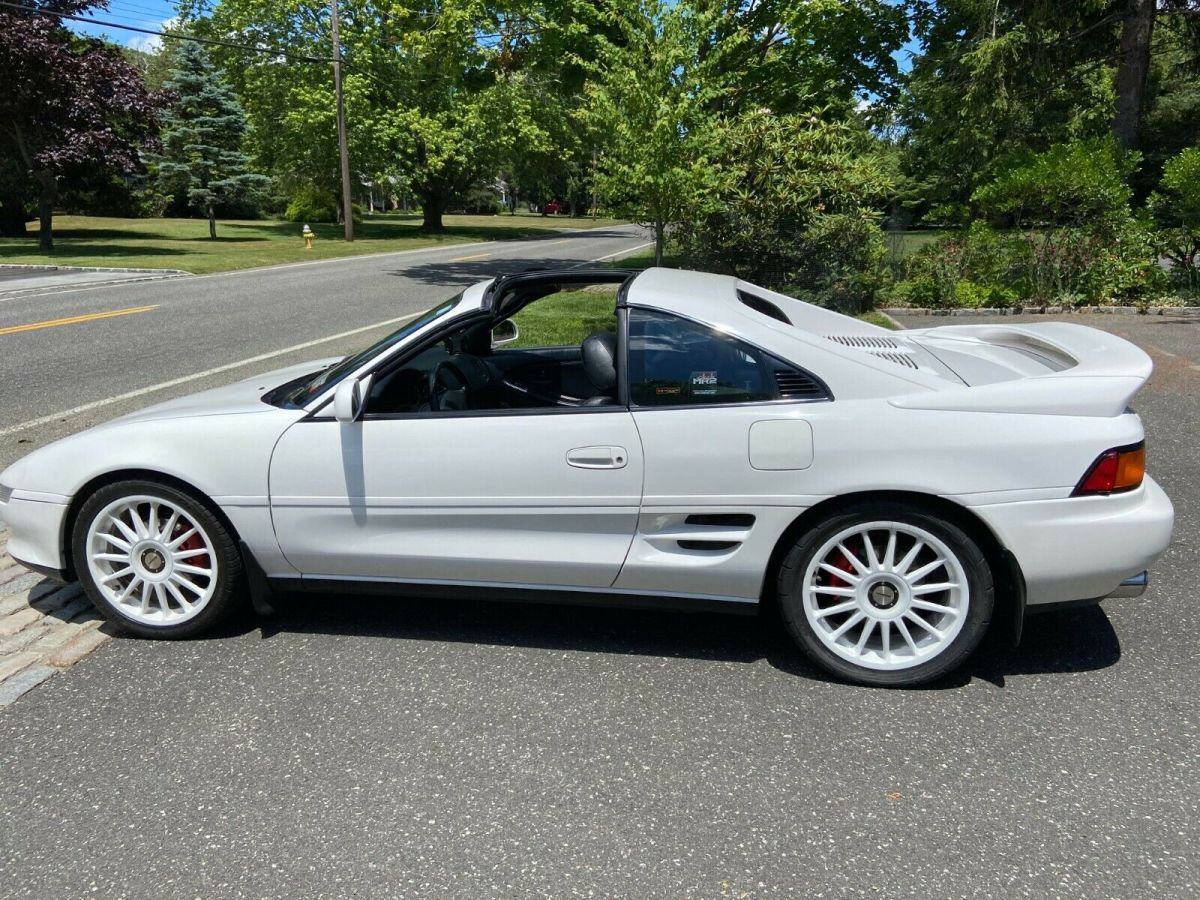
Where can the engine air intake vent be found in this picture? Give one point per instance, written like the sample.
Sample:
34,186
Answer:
863,341
708,545
721,520
900,359
764,306
797,385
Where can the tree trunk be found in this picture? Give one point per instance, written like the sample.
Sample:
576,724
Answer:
212,223
660,229
46,198
1132,68
12,217
433,204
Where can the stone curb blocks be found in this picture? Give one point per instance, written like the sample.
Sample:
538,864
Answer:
21,267
1045,310
44,628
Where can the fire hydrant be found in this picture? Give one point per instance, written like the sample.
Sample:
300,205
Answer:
308,237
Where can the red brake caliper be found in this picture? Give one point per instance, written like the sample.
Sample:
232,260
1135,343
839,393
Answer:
192,543
840,562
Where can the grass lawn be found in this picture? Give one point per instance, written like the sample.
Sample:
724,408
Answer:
570,316
184,243
566,318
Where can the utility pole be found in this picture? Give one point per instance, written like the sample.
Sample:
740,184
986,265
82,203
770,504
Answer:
347,211
593,182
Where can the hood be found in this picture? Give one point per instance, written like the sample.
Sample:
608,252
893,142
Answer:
240,397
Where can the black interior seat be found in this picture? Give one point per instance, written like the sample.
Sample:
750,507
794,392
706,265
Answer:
599,352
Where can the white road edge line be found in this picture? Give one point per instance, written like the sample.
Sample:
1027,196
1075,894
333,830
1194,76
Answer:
516,242
174,382
262,357
618,253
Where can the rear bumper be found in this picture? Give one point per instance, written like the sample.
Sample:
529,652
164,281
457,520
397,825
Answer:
1084,547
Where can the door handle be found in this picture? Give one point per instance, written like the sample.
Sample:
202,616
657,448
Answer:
597,457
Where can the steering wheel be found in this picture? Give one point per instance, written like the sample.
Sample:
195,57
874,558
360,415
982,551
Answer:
449,387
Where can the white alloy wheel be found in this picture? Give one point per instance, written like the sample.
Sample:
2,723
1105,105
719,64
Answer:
885,595
151,560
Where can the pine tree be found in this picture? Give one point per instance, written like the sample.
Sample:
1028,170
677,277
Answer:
201,138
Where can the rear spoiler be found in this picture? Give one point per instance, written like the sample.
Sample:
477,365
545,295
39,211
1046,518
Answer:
1092,372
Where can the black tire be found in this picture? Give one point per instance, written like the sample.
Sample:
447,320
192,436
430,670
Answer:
980,595
227,594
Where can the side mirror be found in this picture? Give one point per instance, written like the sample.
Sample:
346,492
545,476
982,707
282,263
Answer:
350,398
505,333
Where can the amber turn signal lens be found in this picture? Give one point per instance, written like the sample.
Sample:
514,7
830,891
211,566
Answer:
1116,470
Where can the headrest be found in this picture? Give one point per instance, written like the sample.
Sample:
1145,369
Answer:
600,359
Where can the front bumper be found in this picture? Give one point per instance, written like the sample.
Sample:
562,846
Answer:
1083,547
36,531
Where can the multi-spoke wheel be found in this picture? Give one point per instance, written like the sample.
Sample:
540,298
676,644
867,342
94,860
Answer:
887,595
154,560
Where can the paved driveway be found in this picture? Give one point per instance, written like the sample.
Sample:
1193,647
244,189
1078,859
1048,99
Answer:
369,748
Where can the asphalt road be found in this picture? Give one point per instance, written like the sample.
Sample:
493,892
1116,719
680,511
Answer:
180,329
369,748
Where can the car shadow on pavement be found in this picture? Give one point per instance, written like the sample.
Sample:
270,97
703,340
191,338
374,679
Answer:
1078,640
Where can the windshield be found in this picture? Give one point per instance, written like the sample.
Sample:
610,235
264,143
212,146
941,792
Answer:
327,378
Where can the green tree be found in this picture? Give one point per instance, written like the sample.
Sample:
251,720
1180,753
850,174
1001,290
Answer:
655,95
1083,183
201,138
996,77
1176,206
437,95
799,208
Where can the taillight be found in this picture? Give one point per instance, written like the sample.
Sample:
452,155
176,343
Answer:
1114,471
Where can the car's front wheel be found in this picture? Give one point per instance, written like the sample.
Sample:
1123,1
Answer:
886,594
154,560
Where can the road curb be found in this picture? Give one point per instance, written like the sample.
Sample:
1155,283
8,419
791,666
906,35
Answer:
33,267
1044,310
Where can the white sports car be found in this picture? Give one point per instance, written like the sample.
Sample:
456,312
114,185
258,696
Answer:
698,443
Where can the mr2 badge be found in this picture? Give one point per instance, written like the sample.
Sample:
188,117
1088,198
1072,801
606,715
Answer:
704,383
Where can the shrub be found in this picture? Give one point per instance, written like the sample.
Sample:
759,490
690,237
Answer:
1176,207
1080,184
798,211
311,204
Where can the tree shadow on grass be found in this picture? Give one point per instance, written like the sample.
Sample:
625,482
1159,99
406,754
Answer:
74,249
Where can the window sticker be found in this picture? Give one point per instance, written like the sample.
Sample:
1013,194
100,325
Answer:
704,383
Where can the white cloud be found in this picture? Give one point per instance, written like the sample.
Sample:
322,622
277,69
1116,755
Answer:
152,43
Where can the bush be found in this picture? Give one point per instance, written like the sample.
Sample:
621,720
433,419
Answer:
797,212
311,204
1080,184
1176,206
961,270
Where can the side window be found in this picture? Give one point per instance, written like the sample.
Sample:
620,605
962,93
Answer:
566,318
674,362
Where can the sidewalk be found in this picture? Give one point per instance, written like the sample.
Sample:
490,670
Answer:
23,281
44,627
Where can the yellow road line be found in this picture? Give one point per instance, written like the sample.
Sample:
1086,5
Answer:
465,258
75,320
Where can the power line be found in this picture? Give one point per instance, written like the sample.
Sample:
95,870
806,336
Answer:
168,35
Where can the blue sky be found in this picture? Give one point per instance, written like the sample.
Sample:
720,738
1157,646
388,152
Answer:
148,14
151,14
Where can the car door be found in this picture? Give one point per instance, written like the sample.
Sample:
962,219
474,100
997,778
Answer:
517,497
727,430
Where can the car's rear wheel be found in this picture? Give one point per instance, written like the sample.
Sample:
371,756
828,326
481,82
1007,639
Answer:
886,594
154,560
